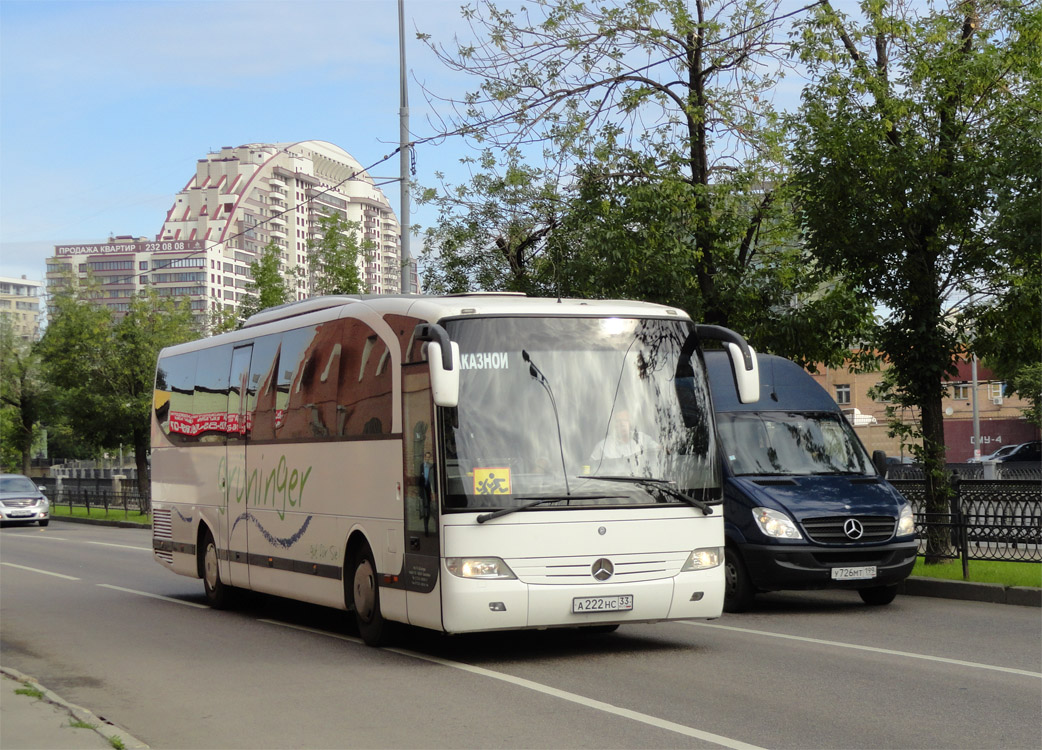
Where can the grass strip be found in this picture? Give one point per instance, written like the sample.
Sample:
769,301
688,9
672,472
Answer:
99,512
984,571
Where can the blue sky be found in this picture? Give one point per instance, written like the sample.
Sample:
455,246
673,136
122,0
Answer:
106,106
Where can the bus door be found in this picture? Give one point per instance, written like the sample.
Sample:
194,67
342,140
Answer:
235,496
422,498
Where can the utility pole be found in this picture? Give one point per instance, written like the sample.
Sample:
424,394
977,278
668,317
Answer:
404,153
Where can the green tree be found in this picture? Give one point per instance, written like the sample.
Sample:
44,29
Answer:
664,167
23,397
104,367
333,258
269,287
903,178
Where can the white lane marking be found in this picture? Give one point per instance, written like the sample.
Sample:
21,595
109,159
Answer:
37,570
153,596
625,713
81,541
874,649
123,546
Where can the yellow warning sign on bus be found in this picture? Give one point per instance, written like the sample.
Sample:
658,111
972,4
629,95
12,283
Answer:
493,480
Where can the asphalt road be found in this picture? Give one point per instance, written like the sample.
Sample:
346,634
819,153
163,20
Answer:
86,611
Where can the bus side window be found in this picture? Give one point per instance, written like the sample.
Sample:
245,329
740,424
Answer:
175,391
261,403
312,388
365,395
210,404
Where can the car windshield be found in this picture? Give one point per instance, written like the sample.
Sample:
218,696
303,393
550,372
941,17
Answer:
17,484
774,443
548,405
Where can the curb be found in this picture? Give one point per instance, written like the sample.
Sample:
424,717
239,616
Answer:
112,734
993,593
101,522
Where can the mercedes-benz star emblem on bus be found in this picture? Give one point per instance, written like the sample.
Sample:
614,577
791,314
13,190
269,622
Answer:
853,528
602,569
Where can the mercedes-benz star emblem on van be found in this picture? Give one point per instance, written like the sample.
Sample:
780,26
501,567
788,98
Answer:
602,569
853,528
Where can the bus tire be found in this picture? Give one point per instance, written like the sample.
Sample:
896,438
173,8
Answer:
365,598
738,588
217,594
877,596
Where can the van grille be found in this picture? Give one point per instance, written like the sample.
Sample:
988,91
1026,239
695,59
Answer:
829,529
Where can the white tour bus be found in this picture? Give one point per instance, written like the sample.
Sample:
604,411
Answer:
460,463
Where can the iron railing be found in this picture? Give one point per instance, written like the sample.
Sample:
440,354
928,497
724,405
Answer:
986,519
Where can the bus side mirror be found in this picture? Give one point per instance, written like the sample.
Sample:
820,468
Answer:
747,380
444,381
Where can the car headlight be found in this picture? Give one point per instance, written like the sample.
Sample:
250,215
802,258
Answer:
479,567
776,524
905,521
703,559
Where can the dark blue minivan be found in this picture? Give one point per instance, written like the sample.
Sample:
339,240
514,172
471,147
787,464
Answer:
804,507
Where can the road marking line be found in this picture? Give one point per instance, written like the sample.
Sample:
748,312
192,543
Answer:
124,546
553,692
153,596
45,572
891,652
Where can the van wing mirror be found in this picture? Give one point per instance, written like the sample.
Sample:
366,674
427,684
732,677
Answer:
743,360
444,361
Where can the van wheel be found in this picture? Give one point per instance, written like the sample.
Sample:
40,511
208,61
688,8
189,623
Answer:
217,594
365,598
44,522
877,596
738,589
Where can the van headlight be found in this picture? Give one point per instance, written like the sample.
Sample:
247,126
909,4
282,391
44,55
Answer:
479,567
905,521
703,559
776,524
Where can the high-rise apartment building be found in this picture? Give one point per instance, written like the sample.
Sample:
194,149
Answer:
239,200
20,305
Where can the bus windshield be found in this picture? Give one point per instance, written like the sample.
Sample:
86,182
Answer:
570,410
791,443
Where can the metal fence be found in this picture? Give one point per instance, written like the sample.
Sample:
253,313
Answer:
88,493
986,520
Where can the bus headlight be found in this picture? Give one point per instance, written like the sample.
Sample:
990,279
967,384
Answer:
479,567
703,559
905,521
776,524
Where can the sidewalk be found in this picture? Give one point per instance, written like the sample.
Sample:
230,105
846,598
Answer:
37,719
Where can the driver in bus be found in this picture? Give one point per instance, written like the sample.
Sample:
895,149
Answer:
626,450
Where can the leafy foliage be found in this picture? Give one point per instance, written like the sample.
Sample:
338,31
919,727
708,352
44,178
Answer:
269,287
103,368
904,180
333,259
662,174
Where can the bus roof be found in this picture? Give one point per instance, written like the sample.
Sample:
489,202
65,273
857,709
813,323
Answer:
429,308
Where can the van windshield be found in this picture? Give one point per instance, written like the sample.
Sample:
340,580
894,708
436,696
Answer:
785,443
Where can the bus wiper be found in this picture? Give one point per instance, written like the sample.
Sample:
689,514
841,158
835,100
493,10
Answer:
540,378
664,485
538,501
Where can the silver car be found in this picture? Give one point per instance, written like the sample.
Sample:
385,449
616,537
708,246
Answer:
22,501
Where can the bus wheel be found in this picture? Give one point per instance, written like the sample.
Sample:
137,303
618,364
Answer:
878,595
365,597
216,592
738,589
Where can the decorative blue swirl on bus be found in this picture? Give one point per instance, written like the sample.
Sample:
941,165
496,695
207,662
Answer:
284,542
182,516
